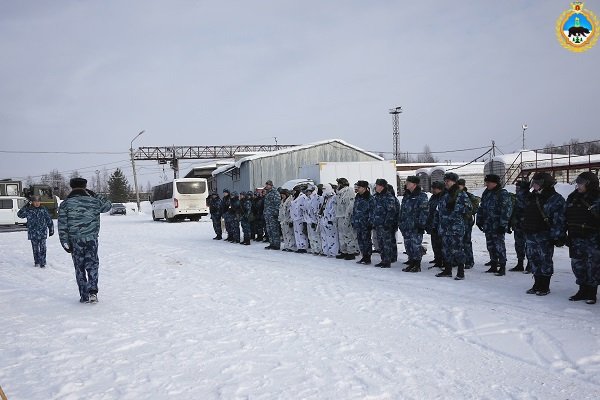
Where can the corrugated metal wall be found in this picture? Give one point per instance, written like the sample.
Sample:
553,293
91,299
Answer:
283,167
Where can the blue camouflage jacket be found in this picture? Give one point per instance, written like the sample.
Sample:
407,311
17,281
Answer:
385,210
451,216
39,222
361,212
434,200
271,204
414,210
494,211
215,204
79,216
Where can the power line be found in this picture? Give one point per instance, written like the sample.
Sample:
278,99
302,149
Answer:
61,152
470,162
433,152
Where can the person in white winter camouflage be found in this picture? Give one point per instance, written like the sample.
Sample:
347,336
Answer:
311,214
285,220
347,235
297,214
330,244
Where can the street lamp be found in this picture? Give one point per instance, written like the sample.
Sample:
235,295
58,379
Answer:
137,193
524,129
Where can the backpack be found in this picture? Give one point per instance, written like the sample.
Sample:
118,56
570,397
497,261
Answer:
475,200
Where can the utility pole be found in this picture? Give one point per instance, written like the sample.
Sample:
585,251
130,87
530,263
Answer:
524,129
137,193
97,181
396,122
493,148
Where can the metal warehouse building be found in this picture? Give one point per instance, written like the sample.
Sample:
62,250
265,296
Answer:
281,166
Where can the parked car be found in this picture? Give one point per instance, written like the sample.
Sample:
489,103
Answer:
118,208
9,206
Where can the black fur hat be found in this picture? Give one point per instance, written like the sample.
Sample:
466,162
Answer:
589,179
78,183
413,179
437,185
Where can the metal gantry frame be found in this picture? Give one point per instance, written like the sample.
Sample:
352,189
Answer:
396,121
171,154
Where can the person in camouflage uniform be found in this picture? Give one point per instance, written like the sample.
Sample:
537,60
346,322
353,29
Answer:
297,209
258,208
235,210
544,227
246,216
450,221
329,234
343,213
271,212
361,220
226,213
385,222
39,227
468,239
78,227
583,229
412,221
286,222
311,218
493,219
214,207
522,190
437,192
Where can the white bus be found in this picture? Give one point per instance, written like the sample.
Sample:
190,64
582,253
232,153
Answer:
9,206
180,199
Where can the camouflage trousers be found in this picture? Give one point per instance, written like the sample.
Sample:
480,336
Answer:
227,219
217,226
330,243
272,225
540,250
85,260
412,244
348,242
436,245
287,232
468,244
496,247
232,224
364,241
246,228
39,251
519,243
585,260
314,237
387,244
300,236
453,250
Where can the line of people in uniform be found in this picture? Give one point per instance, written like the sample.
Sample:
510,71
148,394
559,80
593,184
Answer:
335,220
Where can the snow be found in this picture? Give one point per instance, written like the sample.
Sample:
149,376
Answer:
184,317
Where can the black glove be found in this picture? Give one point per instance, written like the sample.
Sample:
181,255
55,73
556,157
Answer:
51,232
291,224
559,242
67,248
313,225
480,226
421,230
501,229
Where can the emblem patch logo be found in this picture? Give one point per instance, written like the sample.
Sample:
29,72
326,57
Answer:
577,28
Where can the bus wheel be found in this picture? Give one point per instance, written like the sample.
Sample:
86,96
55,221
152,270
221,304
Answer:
195,218
154,216
167,218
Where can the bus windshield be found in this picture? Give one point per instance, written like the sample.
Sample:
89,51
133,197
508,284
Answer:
191,187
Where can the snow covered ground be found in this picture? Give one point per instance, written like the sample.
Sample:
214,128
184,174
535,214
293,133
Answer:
184,317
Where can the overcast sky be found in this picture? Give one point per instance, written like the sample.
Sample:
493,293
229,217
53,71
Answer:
87,76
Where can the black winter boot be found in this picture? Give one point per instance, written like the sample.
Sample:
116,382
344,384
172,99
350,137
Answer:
518,267
446,273
544,288
581,294
460,273
591,295
408,266
501,270
415,267
493,268
535,286
350,257
341,256
487,264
